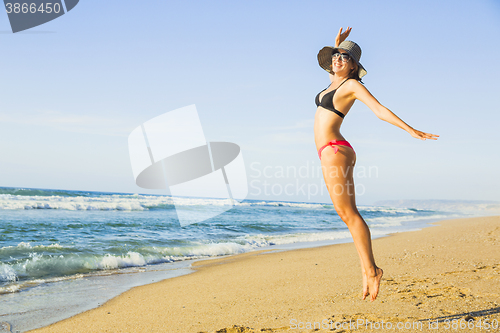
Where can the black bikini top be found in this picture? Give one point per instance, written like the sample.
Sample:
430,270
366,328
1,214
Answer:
327,100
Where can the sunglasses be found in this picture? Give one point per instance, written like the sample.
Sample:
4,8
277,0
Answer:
344,57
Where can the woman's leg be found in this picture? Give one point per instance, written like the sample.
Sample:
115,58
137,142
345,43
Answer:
338,170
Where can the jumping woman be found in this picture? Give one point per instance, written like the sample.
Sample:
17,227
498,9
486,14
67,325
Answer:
337,155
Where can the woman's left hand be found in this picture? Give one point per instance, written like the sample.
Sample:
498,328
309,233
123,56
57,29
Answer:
422,135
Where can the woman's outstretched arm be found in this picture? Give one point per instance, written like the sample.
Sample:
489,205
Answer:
360,92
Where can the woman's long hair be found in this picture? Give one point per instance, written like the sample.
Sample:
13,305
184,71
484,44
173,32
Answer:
354,74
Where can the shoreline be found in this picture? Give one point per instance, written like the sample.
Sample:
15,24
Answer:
47,303
440,273
44,304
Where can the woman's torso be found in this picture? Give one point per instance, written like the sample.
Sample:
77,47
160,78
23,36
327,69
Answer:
326,122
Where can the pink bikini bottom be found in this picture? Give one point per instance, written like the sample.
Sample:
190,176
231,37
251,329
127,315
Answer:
334,143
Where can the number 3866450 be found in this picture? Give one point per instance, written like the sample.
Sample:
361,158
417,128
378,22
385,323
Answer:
27,8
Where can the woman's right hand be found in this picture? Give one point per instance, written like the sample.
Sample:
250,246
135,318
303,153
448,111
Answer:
341,36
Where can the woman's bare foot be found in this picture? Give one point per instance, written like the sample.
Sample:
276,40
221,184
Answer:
373,284
365,285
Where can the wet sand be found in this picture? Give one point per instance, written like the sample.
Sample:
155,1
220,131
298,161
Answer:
441,273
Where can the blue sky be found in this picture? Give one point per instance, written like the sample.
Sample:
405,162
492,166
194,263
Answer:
74,88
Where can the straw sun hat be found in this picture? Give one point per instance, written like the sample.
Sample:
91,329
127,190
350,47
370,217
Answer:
353,49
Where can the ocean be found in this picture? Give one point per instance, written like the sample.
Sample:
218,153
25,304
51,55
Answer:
64,252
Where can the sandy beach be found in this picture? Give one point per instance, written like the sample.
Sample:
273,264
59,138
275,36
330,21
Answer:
432,277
